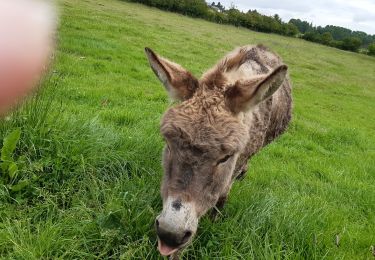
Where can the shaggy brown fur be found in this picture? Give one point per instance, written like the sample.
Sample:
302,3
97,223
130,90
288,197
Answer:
236,108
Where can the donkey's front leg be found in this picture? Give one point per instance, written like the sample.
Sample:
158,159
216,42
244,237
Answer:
218,207
242,173
175,255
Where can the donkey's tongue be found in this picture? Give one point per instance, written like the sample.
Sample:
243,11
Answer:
164,249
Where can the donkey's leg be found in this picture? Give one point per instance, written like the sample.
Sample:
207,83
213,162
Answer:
218,207
221,202
243,172
176,255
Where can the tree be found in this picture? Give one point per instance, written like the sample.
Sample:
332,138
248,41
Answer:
235,17
371,49
312,36
220,6
302,26
290,29
327,38
277,18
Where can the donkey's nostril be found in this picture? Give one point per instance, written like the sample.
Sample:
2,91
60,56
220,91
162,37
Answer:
157,223
187,235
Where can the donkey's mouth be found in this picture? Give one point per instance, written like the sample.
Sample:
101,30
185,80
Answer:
166,250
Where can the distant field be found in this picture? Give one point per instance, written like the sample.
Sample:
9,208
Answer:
91,149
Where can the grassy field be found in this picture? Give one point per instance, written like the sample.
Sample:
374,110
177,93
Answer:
90,148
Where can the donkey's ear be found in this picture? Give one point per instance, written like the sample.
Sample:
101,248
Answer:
246,94
179,83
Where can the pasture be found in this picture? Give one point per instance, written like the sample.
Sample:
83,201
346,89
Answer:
89,149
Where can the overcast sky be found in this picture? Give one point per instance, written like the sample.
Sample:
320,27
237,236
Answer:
357,15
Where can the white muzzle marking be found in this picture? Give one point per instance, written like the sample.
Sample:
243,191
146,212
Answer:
178,216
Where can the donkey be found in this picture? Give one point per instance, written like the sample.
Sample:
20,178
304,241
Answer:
236,108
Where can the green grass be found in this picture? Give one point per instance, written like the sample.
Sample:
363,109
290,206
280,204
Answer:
90,147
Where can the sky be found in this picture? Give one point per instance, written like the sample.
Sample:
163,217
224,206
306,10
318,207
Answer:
357,15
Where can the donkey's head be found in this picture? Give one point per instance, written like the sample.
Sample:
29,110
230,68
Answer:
204,136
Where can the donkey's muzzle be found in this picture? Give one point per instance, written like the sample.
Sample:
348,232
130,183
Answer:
170,236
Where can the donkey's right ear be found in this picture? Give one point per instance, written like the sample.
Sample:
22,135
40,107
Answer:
179,83
247,94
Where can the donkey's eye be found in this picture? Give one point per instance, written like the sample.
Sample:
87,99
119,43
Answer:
224,159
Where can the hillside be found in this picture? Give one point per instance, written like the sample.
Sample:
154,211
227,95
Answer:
94,160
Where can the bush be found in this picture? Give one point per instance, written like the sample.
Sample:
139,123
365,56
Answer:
312,36
351,44
327,38
371,49
195,8
290,29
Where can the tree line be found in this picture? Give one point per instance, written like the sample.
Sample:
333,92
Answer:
330,35
335,36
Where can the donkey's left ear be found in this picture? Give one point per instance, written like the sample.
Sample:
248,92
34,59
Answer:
247,94
179,83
